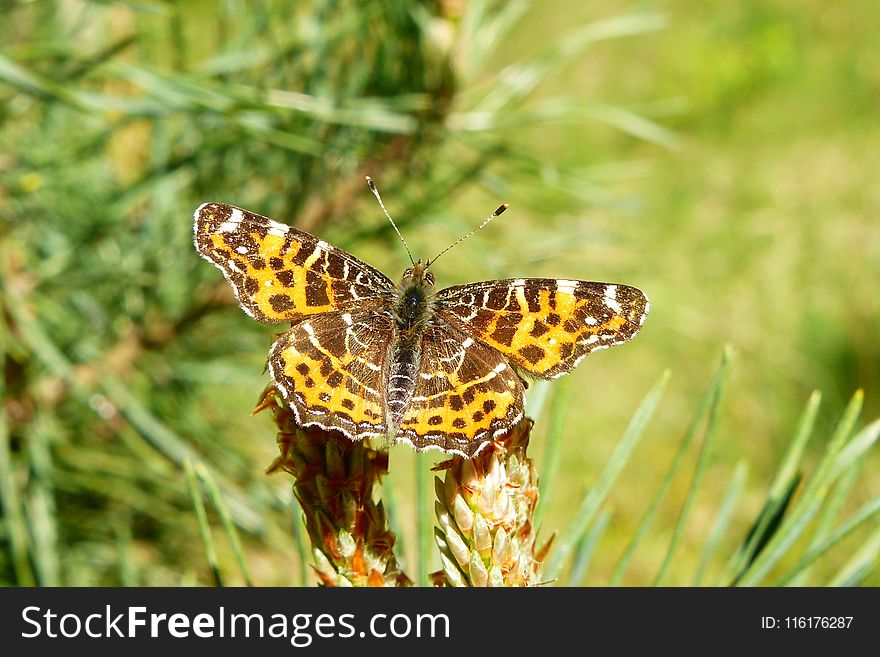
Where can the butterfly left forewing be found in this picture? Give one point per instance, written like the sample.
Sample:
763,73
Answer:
545,326
280,273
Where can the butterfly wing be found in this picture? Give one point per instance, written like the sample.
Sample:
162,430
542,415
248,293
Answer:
545,326
465,394
330,369
279,273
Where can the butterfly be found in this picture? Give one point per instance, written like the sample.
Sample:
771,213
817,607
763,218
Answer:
373,358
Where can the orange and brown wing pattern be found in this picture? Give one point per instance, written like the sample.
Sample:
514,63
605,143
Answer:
279,273
465,393
545,326
330,369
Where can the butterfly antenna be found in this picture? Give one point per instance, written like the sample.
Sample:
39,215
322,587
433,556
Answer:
375,191
497,212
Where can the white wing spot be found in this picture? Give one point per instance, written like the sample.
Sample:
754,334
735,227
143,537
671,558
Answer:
467,343
268,283
500,367
241,249
566,286
234,267
279,230
611,299
592,321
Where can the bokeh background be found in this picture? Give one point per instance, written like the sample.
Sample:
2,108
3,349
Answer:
720,156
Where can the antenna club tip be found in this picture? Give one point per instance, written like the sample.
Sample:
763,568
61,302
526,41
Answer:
501,208
370,183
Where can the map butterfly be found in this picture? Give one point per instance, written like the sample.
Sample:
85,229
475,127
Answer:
372,358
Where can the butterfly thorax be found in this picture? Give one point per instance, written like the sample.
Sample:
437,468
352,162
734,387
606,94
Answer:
412,306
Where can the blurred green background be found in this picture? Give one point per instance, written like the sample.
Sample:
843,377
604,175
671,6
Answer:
720,156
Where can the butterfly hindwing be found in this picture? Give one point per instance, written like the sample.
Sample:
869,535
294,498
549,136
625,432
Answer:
331,368
465,394
279,273
545,326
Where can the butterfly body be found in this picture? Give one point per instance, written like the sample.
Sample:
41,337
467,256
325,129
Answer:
436,369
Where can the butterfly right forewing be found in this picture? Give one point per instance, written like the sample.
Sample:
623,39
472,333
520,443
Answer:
544,325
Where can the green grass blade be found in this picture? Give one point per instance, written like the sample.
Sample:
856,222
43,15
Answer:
226,518
424,527
299,538
586,548
599,491
842,488
828,513
537,396
719,389
569,111
482,31
722,519
861,564
45,552
778,497
790,464
127,568
40,503
865,513
553,451
855,449
13,510
648,518
202,516
839,454
392,512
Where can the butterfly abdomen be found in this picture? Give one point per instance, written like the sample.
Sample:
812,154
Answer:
406,357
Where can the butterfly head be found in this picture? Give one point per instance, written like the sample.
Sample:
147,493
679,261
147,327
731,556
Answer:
418,276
